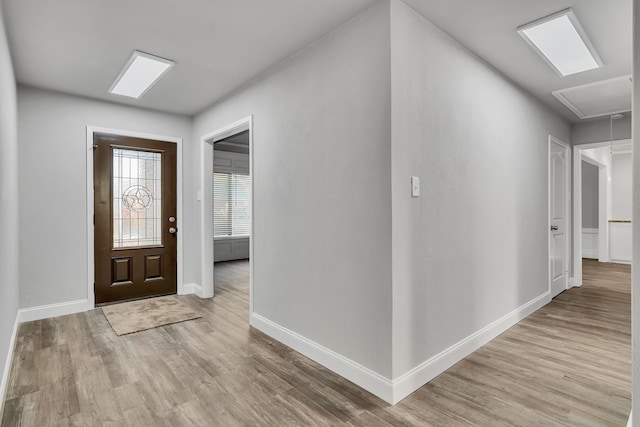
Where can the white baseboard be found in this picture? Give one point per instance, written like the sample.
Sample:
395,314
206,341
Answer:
630,420
4,383
191,288
396,390
590,243
354,372
79,306
188,288
620,261
431,368
390,391
53,310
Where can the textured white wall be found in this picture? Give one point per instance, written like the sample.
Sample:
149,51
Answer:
53,183
602,156
322,197
635,274
8,205
621,186
600,130
590,183
473,247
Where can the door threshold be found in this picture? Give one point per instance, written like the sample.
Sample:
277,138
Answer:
103,304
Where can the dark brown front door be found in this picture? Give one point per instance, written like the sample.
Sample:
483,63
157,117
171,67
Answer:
135,218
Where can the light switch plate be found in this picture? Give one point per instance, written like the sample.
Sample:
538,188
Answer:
415,186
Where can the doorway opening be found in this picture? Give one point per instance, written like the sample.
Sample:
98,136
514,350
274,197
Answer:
227,204
602,204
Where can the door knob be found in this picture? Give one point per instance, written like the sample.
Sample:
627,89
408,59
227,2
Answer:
172,230
554,228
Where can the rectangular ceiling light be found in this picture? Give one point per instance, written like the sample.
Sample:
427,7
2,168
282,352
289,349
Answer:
562,43
139,74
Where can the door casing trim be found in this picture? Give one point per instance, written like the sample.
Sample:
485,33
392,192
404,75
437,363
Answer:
90,211
206,203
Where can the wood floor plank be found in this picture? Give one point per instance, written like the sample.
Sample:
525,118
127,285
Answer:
567,364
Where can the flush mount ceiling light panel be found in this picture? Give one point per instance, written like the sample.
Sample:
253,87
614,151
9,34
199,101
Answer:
560,40
139,74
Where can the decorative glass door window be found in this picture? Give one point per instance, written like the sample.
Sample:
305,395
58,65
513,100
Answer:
137,198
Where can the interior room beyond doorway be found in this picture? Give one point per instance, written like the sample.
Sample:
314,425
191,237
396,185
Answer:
231,198
602,205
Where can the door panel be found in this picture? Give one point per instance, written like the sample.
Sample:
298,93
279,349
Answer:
558,214
135,211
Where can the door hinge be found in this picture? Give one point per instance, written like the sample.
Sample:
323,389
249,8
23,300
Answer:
94,219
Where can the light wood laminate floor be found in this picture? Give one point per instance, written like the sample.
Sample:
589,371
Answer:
567,364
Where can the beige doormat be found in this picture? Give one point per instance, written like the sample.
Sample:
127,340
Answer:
136,316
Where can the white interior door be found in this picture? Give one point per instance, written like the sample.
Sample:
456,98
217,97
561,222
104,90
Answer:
558,216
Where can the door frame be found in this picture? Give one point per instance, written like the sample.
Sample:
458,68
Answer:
604,204
205,196
567,180
90,201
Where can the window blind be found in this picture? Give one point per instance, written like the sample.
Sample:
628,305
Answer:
231,204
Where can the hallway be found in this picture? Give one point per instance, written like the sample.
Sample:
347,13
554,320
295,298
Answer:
569,363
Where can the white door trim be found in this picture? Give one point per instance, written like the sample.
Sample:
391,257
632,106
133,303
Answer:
567,180
604,205
205,197
90,232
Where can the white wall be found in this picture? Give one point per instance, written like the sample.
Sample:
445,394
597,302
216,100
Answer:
8,208
590,182
602,156
322,197
473,247
620,246
635,269
621,186
600,130
53,183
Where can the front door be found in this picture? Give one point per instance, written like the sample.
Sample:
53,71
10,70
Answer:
558,215
135,218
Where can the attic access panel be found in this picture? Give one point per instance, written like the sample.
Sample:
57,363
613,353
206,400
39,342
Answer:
598,99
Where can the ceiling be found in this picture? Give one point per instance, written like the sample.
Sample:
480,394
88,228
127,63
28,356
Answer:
80,46
488,29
